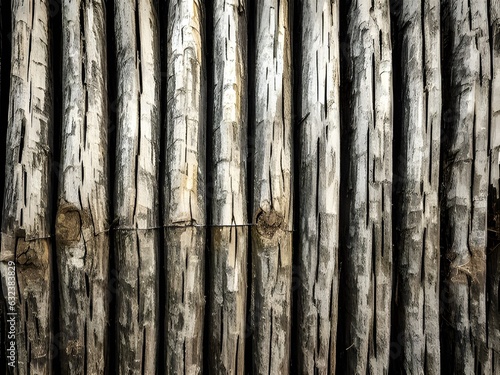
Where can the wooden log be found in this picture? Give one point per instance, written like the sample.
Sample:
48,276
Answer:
137,215
319,175
272,199
82,210
228,248
368,268
493,254
468,75
27,205
185,187
418,164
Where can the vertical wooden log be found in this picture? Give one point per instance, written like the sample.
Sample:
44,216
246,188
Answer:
465,175
419,234
228,251
272,213
185,187
319,187
26,212
82,213
369,241
493,256
136,185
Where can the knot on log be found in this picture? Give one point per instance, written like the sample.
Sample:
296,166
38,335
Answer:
68,224
268,223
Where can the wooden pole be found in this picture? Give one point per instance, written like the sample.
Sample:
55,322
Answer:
82,208
185,187
27,205
368,268
137,213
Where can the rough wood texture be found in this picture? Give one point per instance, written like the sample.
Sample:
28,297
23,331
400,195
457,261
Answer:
228,251
136,185
185,187
417,298
272,200
319,175
493,255
82,214
465,174
368,269
27,206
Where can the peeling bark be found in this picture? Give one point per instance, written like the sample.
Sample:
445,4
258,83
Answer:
273,214
228,251
27,204
185,187
369,241
82,215
137,176
319,174
465,174
419,232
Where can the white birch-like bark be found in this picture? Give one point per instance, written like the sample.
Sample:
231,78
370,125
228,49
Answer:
136,185
82,212
368,268
228,251
273,214
27,205
185,187
319,175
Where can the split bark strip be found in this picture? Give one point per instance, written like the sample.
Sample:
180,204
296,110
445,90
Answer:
228,251
185,187
26,212
319,187
137,176
369,241
467,186
82,213
418,268
493,256
273,215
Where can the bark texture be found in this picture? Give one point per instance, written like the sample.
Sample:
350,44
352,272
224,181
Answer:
417,186
272,200
466,166
185,187
136,185
82,210
319,174
369,240
228,251
27,201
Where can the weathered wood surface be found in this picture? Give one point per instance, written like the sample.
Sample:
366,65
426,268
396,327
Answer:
185,209
368,269
137,215
417,187
272,196
465,171
493,254
229,236
27,210
319,184
82,207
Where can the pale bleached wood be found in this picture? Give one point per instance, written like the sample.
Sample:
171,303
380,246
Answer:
27,206
368,268
418,163
468,75
228,250
82,208
493,255
136,185
185,187
272,198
